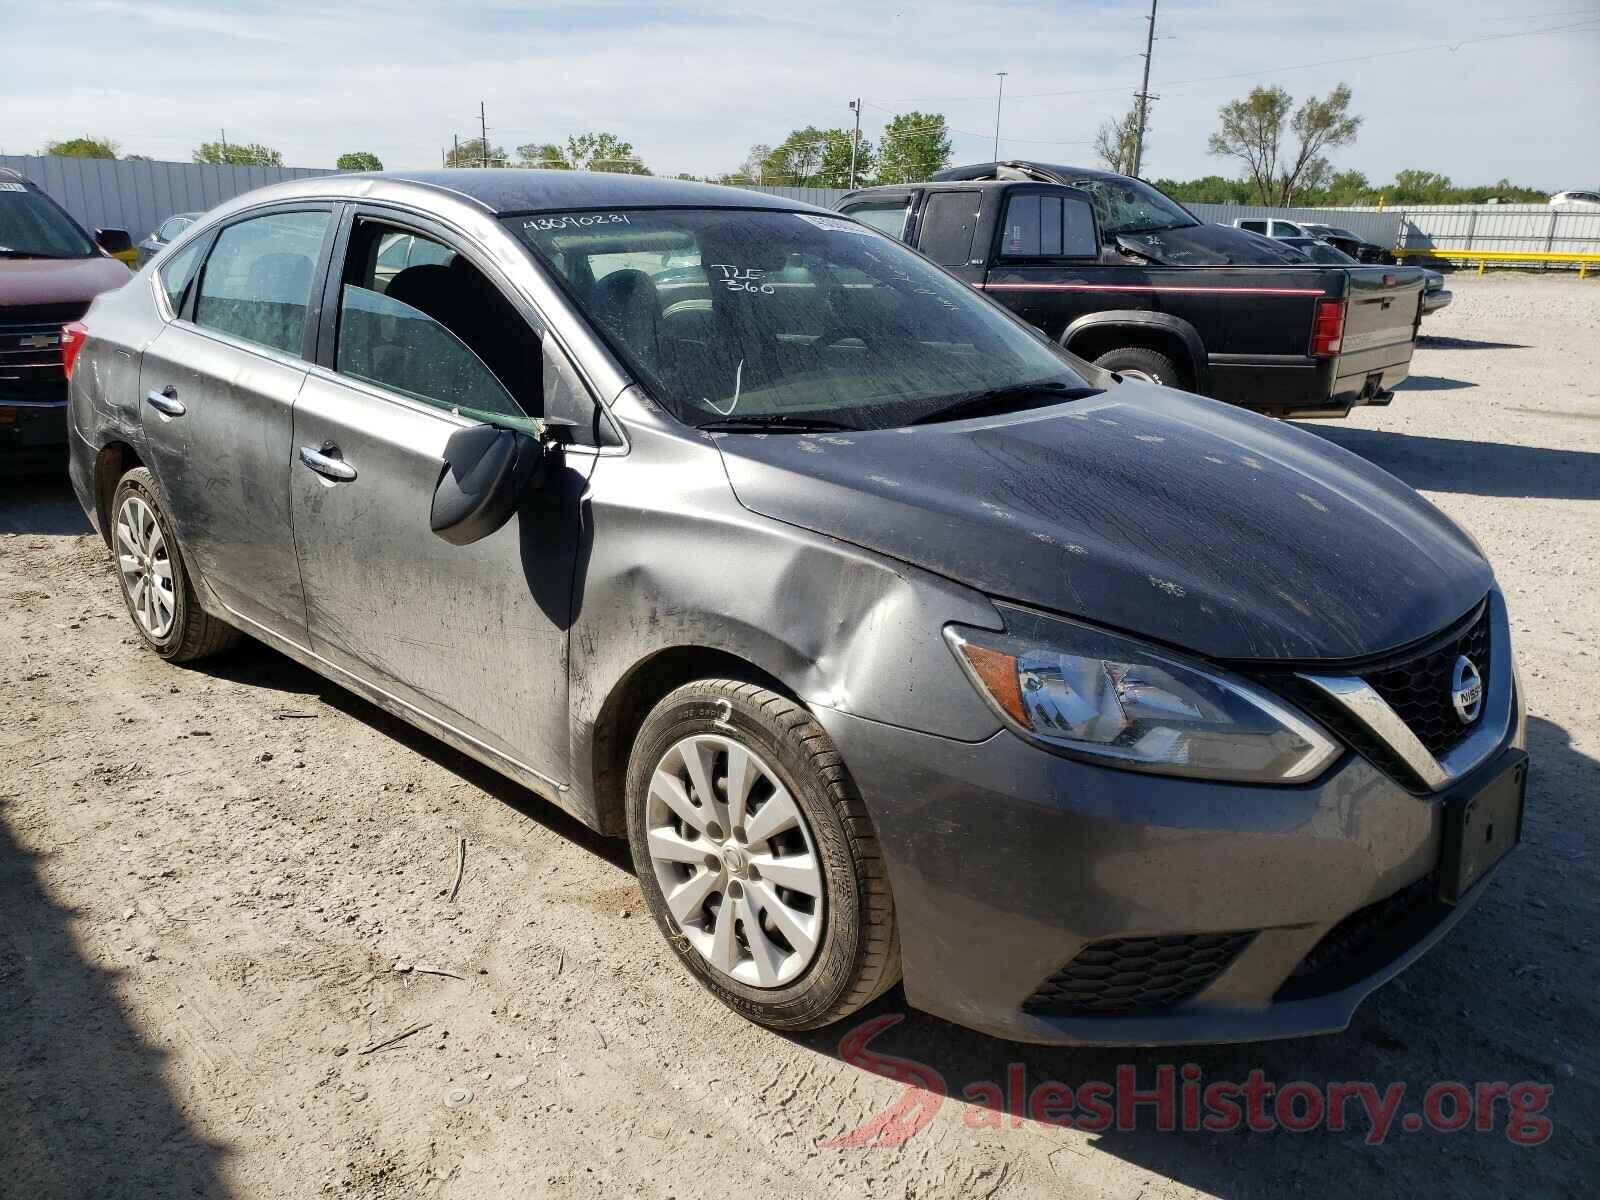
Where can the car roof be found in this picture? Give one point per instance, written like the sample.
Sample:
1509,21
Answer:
514,190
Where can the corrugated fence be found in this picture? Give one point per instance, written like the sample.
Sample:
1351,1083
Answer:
138,195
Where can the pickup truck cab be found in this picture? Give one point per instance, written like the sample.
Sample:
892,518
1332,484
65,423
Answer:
1122,275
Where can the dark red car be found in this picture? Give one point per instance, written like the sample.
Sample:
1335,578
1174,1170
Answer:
50,269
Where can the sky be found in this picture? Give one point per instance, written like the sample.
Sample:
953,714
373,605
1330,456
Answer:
1467,88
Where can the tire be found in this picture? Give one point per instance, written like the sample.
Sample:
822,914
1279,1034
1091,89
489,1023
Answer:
166,614
1139,362
855,955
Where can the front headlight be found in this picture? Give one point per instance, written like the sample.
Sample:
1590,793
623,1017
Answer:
1105,697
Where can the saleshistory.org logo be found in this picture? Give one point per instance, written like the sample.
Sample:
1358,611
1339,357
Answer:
1181,1098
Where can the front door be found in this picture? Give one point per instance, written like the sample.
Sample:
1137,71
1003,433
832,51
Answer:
472,636
217,389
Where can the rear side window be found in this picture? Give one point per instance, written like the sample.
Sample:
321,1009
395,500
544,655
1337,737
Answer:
172,227
177,271
886,216
1254,226
948,222
1040,226
257,281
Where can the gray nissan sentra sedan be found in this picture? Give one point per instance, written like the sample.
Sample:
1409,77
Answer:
897,641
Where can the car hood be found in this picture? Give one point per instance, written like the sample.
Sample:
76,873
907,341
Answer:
25,282
1144,509
1208,245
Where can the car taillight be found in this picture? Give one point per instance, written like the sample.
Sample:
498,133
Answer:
73,335
1327,332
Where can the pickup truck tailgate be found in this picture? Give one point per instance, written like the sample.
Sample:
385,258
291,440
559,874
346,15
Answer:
1380,332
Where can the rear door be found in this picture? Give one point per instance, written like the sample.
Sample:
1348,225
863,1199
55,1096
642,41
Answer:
473,637
217,389
947,226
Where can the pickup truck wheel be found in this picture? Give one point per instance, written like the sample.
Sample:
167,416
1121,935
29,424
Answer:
756,856
1138,362
155,582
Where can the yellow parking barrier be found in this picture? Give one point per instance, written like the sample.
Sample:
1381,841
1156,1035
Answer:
1483,257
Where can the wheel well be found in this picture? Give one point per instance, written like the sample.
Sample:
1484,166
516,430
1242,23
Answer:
114,461
1094,341
631,700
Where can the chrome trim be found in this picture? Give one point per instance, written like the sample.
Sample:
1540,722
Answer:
1364,703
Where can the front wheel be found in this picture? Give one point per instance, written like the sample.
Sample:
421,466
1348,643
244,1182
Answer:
756,856
1140,362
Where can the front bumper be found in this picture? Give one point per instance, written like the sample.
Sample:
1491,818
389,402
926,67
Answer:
33,430
1007,860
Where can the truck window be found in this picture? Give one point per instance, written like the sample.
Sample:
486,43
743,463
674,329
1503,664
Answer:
948,222
1038,226
1254,226
887,215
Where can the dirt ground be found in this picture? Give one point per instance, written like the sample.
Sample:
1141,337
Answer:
208,877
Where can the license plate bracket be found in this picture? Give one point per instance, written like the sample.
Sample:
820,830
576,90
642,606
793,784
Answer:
1480,829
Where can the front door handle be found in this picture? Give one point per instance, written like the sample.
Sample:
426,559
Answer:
166,401
327,462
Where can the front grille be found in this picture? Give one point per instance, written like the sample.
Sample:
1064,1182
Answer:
1418,689
1366,940
1136,974
27,367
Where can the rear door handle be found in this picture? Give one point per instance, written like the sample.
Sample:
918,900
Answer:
166,401
327,462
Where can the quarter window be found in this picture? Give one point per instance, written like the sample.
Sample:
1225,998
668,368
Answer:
257,280
176,274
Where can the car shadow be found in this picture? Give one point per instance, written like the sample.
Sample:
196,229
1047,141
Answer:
1493,1002
84,1107
258,665
39,501
1434,383
1433,464
1428,341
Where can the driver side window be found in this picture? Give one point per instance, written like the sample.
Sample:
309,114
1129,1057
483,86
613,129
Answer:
419,319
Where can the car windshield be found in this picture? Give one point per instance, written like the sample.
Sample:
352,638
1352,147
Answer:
1129,206
31,226
741,317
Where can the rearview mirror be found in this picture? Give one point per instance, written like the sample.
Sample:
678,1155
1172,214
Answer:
113,241
486,471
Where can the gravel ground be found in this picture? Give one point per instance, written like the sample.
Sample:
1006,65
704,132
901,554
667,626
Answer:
211,878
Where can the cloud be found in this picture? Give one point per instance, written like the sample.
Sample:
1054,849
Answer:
692,86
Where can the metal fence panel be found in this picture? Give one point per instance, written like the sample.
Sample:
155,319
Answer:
821,197
138,194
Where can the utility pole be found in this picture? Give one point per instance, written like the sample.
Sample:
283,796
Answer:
483,126
998,97
224,134
455,156
855,141
1144,91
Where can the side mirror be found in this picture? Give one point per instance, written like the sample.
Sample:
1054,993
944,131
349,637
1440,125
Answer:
486,471
113,241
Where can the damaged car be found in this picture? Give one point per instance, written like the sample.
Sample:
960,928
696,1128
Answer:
900,643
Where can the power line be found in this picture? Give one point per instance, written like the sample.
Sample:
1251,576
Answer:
1327,62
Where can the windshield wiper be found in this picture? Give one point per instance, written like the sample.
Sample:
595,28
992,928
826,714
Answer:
783,421
1005,399
6,252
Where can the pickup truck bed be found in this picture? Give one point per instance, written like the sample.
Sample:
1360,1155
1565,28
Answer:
1279,336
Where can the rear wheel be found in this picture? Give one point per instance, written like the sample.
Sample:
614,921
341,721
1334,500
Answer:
1140,362
756,856
155,583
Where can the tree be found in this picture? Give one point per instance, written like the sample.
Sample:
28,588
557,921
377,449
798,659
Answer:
471,153
913,147
794,160
235,154
604,152
1253,131
359,160
1116,140
543,154
82,147
1349,187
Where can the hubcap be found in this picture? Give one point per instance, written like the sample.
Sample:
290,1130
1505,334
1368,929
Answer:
1135,373
146,568
735,860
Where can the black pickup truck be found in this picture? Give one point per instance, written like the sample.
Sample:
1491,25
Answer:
1121,274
